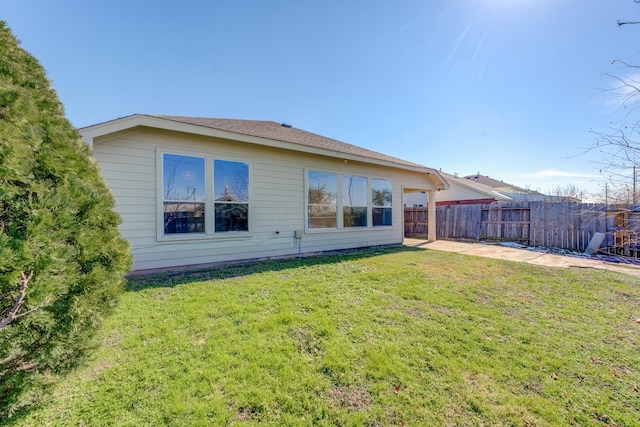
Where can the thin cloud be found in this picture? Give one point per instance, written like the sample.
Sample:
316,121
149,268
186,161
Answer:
554,173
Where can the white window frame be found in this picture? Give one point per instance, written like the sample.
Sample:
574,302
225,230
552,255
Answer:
337,199
216,202
366,204
384,207
339,204
209,213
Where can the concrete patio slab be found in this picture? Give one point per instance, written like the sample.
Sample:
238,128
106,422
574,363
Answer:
521,255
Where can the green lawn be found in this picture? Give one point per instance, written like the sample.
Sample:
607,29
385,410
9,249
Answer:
374,338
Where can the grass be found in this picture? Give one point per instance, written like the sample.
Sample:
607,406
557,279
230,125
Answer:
374,338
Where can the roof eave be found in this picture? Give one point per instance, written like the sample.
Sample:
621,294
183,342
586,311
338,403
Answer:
442,183
89,133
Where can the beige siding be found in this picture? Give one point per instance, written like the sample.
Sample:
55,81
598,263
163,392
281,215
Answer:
128,164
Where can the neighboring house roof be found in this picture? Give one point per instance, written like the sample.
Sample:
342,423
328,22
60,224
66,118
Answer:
228,197
478,187
485,180
261,132
494,183
514,192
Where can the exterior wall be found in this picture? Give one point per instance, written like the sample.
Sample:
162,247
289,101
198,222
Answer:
129,164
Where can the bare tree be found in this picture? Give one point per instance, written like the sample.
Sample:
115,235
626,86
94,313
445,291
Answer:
565,193
619,144
619,141
621,23
239,186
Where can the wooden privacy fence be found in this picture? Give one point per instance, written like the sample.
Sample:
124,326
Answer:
563,225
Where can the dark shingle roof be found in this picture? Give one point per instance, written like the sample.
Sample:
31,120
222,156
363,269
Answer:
278,132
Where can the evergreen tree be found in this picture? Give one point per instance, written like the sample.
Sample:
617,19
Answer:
57,221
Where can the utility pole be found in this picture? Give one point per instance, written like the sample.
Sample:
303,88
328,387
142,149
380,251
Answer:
635,187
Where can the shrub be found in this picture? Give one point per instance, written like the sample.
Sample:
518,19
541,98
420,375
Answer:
57,220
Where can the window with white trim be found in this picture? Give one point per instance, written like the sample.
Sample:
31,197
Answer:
183,193
231,195
322,190
381,202
354,201
203,195
342,201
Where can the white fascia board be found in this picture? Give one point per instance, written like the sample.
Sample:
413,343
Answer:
89,133
444,183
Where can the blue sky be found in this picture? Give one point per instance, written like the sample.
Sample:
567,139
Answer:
507,88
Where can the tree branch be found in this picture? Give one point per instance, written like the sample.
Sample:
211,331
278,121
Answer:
621,23
22,293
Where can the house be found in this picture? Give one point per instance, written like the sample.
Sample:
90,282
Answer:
199,191
514,192
461,191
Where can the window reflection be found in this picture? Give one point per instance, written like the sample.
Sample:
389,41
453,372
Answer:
183,190
354,201
231,189
322,188
381,202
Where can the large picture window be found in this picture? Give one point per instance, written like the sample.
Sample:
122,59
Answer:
354,201
183,193
322,188
202,195
343,201
231,195
381,202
